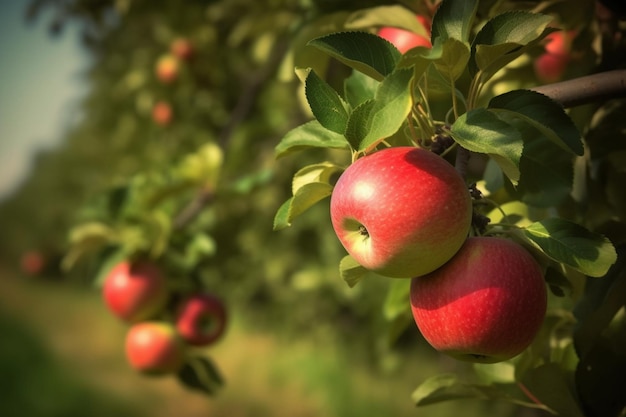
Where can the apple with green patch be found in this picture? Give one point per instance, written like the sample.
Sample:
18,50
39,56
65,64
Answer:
154,347
201,319
401,211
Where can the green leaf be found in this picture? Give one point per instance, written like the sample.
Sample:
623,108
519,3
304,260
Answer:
572,244
200,373
495,373
448,387
542,113
504,38
395,15
200,247
452,57
305,197
453,20
309,135
324,172
363,51
397,300
359,88
546,173
551,385
87,239
351,271
377,119
482,131
326,104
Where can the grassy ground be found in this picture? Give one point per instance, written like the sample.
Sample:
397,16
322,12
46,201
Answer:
266,375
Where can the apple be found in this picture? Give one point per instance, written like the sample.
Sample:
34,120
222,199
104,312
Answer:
167,68
401,211
154,347
162,113
404,39
201,319
485,305
135,291
32,262
182,49
551,65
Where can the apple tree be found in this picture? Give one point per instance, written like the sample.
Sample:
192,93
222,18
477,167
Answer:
218,144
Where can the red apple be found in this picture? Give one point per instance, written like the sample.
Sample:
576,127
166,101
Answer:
401,211
135,291
201,319
154,347
167,69
182,49
404,39
162,113
485,305
551,65
32,262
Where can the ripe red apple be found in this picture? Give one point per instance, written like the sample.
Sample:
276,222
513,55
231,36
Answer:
32,262
485,305
404,39
162,113
182,49
167,68
401,211
154,347
551,65
135,291
201,319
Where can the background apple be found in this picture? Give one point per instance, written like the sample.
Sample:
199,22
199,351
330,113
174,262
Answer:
201,319
551,65
32,262
404,39
485,305
401,211
167,68
135,291
182,49
162,113
154,347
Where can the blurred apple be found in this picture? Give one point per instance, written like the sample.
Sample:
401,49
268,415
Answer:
154,347
167,68
404,39
201,319
182,49
162,113
401,211
32,263
135,291
551,65
485,305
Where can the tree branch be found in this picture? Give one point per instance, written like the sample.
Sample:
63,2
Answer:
584,90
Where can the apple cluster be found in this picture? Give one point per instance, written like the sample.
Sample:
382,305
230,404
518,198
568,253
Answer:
167,70
163,325
405,212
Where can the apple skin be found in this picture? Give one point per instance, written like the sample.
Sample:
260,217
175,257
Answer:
154,347
401,212
162,113
551,65
135,291
167,69
404,39
485,305
201,319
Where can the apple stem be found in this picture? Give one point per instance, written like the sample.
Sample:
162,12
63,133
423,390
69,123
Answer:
530,395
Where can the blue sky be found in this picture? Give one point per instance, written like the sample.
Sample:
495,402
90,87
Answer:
40,88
